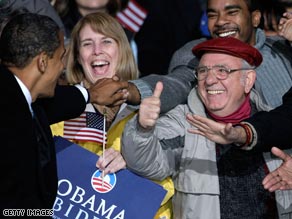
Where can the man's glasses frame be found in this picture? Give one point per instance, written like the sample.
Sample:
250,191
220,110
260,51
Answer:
221,72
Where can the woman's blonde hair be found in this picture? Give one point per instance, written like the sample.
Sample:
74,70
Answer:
105,24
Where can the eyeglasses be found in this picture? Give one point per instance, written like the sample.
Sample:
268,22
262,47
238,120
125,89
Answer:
221,72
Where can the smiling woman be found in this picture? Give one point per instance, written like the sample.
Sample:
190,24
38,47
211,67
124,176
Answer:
99,42
100,49
98,54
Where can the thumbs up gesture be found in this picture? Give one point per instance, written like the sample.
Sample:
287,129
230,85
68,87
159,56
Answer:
150,108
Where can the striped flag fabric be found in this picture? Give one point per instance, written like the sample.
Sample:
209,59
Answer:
133,16
100,185
88,126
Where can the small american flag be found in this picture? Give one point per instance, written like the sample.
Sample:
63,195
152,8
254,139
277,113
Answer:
88,126
133,16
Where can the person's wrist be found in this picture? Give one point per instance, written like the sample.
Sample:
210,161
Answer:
134,97
240,135
247,137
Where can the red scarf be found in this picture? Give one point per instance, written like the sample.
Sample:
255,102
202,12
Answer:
240,114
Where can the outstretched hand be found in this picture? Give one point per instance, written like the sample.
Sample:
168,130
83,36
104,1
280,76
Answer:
285,26
150,108
218,132
109,92
281,178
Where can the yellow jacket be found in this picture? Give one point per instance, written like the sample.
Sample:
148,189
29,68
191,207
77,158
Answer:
114,140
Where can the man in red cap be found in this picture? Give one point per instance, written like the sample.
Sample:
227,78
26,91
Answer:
211,180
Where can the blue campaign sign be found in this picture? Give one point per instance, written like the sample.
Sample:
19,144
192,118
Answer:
82,194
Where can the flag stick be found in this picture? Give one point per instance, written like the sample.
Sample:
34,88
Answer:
103,142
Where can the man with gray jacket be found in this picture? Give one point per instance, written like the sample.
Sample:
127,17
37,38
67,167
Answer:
211,180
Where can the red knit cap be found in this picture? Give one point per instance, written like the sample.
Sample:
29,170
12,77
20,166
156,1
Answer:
230,46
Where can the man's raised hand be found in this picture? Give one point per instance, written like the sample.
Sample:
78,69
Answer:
150,108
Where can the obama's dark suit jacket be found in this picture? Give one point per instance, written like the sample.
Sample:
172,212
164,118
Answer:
27,155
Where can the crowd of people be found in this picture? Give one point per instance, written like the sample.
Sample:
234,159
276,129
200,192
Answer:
210,120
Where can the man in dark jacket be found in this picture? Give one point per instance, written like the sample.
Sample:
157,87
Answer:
31,53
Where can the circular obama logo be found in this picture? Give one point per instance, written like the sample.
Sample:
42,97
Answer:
103,185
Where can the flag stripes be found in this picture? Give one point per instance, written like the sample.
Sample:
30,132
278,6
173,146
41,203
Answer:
87,127
133,16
